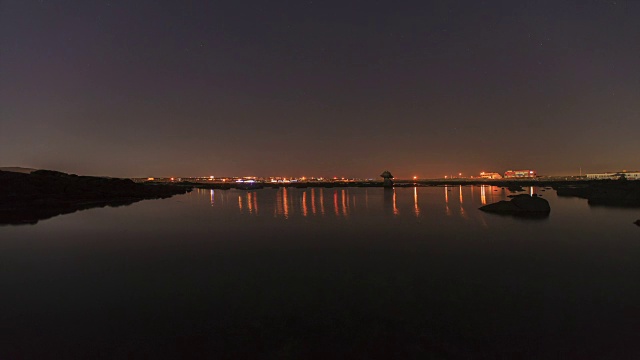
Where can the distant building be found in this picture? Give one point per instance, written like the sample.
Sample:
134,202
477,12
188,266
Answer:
629,175
490,175
510,174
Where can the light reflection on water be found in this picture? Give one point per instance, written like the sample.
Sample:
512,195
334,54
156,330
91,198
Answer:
416,207
264,269
310,202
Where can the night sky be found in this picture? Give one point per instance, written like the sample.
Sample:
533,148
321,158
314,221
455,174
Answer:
319,88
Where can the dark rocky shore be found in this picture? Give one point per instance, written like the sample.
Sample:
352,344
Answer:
622,193
520,205
42,194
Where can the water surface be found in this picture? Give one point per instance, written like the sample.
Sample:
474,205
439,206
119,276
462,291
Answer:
404,273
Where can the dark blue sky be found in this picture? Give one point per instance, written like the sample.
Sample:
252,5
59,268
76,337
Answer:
319,88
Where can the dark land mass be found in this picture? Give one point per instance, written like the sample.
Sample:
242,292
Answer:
618,193
27,198
18,169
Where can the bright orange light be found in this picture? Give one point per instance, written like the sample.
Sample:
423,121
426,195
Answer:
415,177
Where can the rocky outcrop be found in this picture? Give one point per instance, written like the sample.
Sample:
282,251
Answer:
28,198
623,193
520,205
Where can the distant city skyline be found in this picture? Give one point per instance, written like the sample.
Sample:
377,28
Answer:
347,89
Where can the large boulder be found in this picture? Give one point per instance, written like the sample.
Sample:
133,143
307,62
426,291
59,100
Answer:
520,205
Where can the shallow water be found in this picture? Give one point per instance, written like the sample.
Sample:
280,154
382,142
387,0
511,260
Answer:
315,272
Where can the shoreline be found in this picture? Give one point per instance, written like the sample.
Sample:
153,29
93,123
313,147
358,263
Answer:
515,183
26,198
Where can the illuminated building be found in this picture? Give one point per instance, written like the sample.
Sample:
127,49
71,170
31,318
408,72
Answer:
510,174
490,175
631,175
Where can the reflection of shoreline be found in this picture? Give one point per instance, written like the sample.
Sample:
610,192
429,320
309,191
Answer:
293,202
389,201
43,194
446,201
31,216
598,193
344,203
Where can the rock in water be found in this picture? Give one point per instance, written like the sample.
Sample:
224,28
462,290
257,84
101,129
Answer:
520,205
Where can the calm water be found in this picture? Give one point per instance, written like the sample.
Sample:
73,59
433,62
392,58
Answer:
300,273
